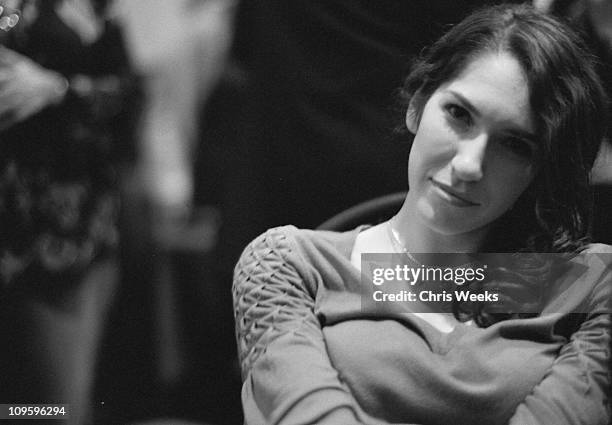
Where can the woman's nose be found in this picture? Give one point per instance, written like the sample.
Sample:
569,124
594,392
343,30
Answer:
468,162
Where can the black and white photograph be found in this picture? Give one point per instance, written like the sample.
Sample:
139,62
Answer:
291,212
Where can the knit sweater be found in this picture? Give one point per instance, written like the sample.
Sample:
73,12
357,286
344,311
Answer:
310,354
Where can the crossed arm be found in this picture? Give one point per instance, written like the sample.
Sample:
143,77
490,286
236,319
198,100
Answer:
288,377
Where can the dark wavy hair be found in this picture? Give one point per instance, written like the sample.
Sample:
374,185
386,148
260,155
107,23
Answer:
569,105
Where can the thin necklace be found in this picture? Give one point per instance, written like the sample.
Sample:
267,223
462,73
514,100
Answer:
398,245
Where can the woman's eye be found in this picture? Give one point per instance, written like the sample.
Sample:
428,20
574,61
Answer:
518,147
459,114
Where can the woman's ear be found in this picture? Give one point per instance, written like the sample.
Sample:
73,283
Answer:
412,118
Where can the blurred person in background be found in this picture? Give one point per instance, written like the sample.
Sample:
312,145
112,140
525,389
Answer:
180,50
181,357
65,110
68,99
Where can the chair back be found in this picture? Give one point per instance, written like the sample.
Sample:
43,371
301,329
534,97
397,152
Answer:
373,211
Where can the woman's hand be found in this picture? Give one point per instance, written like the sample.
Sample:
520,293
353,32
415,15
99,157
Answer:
26,88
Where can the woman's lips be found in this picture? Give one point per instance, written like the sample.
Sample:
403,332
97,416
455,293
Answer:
453,196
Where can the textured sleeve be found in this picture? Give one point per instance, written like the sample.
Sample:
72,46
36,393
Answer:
287,375
576,389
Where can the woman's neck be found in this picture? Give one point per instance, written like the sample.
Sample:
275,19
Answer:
417,237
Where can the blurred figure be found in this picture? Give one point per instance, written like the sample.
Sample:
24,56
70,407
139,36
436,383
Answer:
180,49
182,364
66,92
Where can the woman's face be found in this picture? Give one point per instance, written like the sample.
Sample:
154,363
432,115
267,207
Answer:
474,151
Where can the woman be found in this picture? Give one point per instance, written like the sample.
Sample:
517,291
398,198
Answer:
65,89
506,112
64,114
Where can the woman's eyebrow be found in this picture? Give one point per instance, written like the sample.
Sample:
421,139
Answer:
466,103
